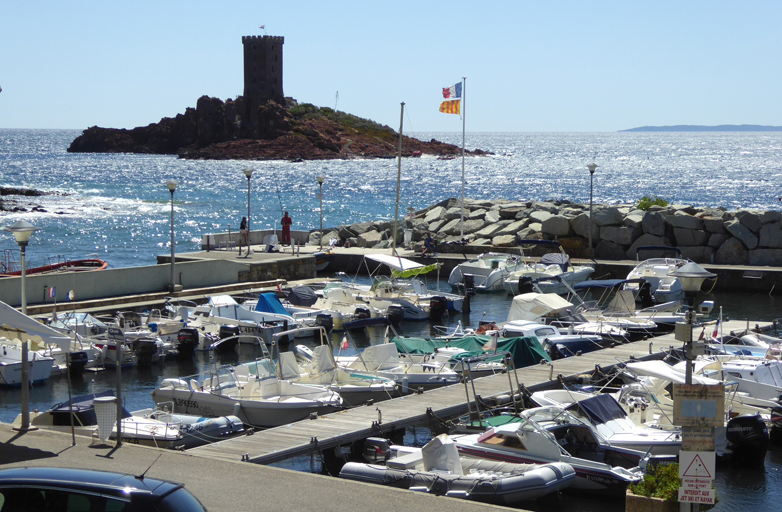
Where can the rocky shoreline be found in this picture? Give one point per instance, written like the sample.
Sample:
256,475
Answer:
236,129
704,235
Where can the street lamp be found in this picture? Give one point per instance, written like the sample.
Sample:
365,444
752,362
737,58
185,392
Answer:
22,231
591,168
248,172
691,277
321,179
172,184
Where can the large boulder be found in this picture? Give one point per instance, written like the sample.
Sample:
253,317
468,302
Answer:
513,227
771,216
452,227
540,216
771,235
607,216
361,227
435,214
455,212
653,223
644,240
504,241
620,235
752,220
580,224
492,216
557,225
683,220
731,252
717,239
766,257
634,220
698,254
471,226
370,238
714,224
493,229
740,231
686,236
437,225
475,214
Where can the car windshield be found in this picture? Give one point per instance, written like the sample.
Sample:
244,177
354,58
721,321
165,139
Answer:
180,501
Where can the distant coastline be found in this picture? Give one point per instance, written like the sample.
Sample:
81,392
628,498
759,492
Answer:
698,128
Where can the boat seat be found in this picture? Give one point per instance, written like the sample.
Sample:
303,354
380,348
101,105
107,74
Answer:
242,374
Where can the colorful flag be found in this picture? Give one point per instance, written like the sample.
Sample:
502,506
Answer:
716,329
262,27
450,107
52,292
344,344
453,92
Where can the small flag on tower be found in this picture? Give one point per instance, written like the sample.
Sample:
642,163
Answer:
262,27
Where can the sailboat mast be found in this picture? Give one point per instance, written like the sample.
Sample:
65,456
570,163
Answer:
464,124
398,172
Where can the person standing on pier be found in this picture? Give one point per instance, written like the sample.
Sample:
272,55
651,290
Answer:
286,229
244,236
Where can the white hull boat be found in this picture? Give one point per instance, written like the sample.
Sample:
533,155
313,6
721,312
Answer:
488,270
39,367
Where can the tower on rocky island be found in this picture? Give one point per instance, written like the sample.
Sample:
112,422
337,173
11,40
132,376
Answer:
263,69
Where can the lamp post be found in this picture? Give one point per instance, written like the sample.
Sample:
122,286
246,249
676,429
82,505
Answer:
172,184
249,173
22,231
591,168
321,179
691,277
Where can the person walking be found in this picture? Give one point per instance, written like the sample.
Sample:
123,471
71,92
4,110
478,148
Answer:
286,229
244,236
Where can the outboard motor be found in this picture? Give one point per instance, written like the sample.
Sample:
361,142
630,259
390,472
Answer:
186,342
77,360
438,306
469,284
226,331
324,320
396,313
362,313
748,440
145,349
525,285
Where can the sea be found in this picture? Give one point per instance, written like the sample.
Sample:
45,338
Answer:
117,206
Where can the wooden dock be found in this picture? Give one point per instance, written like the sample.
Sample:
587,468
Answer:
343,428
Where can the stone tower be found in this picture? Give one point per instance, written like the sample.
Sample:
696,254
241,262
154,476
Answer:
263,69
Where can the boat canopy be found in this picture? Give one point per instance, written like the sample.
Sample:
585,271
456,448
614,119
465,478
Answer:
662,370
525,351
402,267
270,303
14,324
301,296
222,300
532,306
605,283
556,258
600,408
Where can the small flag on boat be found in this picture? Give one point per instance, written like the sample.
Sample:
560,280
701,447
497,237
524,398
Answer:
450,107
716,329
52,292
453,92
344,344
262,27
703,331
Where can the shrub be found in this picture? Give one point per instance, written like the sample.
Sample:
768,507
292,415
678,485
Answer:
661,481
647,201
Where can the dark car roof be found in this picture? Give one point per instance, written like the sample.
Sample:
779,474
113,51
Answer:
116,484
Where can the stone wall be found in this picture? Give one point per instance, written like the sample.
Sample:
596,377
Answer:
704,235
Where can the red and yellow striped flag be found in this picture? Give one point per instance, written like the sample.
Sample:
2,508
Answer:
450,107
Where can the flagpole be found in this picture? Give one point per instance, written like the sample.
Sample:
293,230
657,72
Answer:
464,124
398,173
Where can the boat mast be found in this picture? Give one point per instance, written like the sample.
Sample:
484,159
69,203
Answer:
464,97
398,173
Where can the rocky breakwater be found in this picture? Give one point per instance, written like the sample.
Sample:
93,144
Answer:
704,235
238,129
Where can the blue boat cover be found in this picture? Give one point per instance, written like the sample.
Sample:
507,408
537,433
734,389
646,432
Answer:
270,303
600,408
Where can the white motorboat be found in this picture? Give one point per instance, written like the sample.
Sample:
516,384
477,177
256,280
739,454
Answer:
656,271
195,429
39,367
556,344
551,309
384,361
552,434
551,264
608,417
438,469
489,271
260,400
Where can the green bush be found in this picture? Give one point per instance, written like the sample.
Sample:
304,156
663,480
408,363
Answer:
662,482
647,201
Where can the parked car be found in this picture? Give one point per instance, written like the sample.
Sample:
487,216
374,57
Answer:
39,489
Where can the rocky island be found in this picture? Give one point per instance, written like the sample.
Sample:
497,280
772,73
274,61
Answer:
237,129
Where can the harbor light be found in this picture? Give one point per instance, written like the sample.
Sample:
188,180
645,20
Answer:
321,179
591,168
249,173
172,185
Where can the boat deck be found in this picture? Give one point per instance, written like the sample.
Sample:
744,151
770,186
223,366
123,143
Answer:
342,428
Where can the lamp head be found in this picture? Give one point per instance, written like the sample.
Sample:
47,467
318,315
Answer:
22,231
249,172
321,179
172,185
691,276
592,167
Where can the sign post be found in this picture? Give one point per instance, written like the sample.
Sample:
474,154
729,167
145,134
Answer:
116,335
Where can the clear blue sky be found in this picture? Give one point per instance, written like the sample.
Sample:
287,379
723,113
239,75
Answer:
531,66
